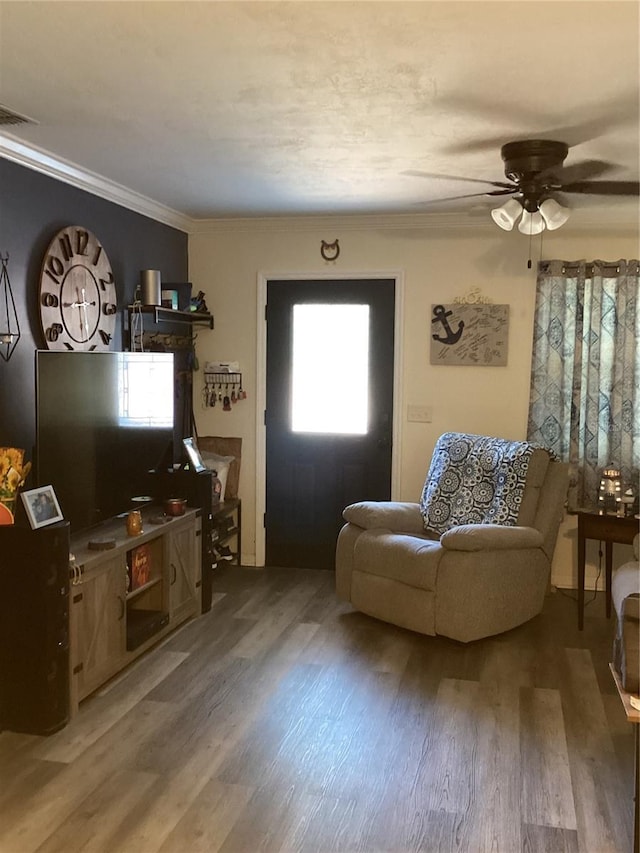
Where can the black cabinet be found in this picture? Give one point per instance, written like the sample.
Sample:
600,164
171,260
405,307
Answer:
34,628
197,488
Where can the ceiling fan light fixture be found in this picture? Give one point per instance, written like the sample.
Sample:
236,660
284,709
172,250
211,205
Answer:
507,214
554,214
531,223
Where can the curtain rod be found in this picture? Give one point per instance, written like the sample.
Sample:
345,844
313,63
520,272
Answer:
607,269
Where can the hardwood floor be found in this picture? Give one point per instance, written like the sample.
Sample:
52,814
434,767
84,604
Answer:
284,721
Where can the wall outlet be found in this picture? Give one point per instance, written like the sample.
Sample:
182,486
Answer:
420,414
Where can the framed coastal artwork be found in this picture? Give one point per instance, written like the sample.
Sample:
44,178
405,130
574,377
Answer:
463,334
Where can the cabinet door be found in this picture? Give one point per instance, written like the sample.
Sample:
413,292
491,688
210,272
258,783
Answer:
183,559
98,641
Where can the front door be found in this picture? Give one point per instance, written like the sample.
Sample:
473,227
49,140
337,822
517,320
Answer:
329,411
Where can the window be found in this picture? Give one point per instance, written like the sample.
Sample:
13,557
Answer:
330,369
585,371
145,390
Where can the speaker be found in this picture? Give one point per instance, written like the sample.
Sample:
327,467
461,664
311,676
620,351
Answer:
150,287
34,628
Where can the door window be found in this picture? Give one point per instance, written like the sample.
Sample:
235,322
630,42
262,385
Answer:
330,369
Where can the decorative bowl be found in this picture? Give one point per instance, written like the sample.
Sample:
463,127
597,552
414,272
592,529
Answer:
174,506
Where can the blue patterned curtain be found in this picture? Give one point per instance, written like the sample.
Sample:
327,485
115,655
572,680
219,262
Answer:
585,370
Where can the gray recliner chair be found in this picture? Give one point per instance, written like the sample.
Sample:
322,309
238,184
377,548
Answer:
625,592
473,558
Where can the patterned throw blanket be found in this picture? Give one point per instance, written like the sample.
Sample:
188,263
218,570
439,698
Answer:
474,479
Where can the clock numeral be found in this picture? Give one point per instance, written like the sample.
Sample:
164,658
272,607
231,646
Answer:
106,337
54,268
109,308
53,332
65,246
68,345
105,281
92,347
82,240
50,300
96,257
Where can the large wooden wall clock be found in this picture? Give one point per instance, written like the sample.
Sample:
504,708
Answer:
77,297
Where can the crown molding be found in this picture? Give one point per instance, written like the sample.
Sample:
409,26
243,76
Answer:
62,170
353,222
623,216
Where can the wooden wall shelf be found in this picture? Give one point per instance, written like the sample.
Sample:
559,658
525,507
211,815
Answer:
171,315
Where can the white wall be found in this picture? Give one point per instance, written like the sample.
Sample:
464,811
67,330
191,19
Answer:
439,262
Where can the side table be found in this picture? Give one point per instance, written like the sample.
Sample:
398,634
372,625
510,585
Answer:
593,524
227,510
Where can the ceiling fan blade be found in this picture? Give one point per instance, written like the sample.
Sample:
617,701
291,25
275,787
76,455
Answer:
619,113
579,172
417,174
603,187
510,191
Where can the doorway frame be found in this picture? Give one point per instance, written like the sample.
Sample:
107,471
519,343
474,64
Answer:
261,381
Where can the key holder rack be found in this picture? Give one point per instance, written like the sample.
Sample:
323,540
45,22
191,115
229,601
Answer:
223,389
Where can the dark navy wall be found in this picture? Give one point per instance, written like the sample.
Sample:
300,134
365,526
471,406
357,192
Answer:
33,207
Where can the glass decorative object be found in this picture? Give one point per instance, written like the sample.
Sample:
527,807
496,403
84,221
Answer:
9,325
628,500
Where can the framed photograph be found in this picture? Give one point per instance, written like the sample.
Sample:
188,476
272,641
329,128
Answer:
41,506
184,294
169,299
194,455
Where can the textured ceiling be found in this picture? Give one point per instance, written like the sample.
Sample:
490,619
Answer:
235,109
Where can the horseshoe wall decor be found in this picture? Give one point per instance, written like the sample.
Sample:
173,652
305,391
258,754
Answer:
330,251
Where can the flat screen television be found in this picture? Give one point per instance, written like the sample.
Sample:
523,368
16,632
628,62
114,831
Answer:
103,421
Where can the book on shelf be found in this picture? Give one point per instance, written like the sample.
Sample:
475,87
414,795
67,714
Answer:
139,566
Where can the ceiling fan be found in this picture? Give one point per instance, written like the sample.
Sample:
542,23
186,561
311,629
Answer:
535,172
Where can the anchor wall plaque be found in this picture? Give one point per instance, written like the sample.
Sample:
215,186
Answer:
464,334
